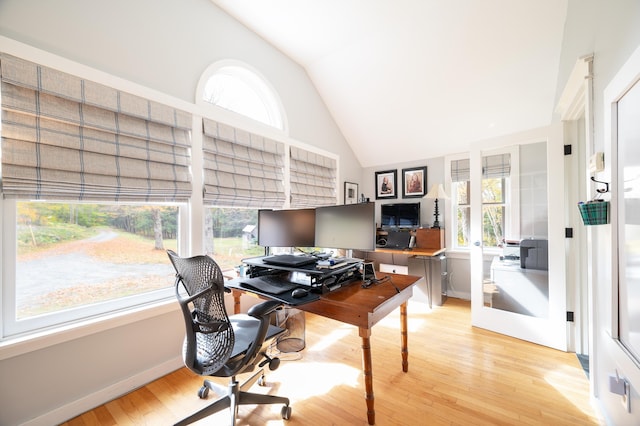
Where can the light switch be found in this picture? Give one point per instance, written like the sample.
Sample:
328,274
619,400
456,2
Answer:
621,387
596,162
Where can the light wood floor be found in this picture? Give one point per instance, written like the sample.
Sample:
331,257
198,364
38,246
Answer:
458,375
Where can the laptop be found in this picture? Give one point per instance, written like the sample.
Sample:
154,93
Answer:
398,239
289,260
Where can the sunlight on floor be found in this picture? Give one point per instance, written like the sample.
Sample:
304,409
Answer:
413,325
332,337
415,320
321,376
563,380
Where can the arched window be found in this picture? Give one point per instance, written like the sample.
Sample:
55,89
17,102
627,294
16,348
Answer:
234,86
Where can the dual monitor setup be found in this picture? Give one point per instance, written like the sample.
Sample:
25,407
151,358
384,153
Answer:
349,226
301,278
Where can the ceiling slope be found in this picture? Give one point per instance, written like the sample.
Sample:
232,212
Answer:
411,79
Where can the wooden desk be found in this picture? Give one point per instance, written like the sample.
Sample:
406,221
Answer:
424,254
363,308
413,252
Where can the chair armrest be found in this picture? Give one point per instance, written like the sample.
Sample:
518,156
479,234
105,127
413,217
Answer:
264,309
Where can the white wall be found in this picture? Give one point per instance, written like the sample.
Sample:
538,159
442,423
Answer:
611,31
162,47
435,174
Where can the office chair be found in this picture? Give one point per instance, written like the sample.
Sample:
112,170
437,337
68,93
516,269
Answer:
220,345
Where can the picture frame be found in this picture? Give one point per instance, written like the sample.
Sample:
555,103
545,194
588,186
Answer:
414,182
386,184
350,193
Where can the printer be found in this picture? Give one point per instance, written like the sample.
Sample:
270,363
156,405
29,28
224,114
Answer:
534,254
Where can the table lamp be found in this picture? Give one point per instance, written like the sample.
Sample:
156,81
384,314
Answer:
436,191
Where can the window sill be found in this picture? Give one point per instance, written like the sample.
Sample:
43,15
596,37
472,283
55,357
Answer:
16,346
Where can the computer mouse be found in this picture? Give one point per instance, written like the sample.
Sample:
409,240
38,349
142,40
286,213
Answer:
299,292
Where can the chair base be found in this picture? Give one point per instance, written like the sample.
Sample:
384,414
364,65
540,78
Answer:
236,395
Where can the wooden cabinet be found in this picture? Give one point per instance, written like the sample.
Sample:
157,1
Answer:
430,238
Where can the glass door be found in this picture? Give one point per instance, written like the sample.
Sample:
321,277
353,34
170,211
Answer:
513,256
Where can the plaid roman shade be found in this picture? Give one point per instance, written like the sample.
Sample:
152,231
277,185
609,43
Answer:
241,169
313,179
496,166
67,138
460,171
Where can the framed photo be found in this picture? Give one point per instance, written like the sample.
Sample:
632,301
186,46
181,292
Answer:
414,182
350,193
386,185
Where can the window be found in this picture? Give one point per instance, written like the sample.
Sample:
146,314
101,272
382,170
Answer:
231,235
235,87
75,260
628,188
495,199
495,180
463,213
92,183
493,212
460,179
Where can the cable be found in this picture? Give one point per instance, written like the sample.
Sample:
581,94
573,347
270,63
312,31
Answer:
382,280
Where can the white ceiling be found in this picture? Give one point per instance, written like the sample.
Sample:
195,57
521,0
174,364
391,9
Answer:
416,79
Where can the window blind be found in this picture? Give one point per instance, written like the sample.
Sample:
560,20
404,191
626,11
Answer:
67,138
496,166
241,169
460,170
493,166
313,179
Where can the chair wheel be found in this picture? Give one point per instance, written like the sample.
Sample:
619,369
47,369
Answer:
286,412
262,381
203,392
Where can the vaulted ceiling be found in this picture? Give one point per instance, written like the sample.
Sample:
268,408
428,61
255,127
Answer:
415,79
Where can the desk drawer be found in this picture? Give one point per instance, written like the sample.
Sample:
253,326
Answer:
394,269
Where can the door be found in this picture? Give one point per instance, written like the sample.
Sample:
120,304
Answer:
517,251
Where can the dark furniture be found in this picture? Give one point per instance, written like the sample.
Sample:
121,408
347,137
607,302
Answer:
220,345
363,308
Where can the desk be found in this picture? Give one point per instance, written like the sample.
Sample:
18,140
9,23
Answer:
425,254
364,308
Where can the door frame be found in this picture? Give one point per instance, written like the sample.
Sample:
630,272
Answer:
549,331
576,104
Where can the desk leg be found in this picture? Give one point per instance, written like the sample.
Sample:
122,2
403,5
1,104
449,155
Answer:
404,337
236,301
367,367
427,277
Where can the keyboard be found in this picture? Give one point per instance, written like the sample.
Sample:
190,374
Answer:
290,260
268,284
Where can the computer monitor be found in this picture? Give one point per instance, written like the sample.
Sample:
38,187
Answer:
350,226
401,215
286,228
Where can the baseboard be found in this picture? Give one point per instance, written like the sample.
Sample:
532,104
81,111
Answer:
88,402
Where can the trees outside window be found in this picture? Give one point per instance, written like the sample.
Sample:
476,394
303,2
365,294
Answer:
74,258
493,212
230,236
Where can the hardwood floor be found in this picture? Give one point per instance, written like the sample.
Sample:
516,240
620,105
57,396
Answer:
458,375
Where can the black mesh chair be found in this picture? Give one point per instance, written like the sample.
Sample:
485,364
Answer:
220,345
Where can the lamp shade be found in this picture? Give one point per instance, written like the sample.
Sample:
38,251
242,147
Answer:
437,191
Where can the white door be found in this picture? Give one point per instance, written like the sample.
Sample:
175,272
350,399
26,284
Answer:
519,289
